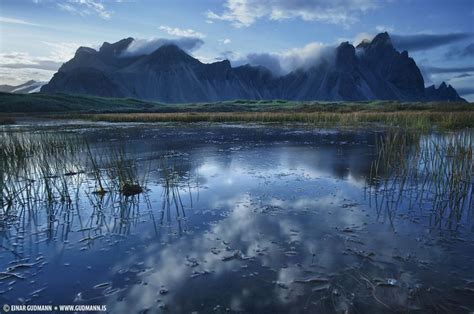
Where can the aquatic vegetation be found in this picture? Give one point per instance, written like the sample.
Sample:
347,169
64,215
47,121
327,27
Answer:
419,120
171,196
5,120
123,173
48,167
433,172
279,211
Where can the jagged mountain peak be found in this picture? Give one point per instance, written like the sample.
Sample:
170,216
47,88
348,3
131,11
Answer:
170,54
382,39
84,51
170,74
345,54
444,92
116,48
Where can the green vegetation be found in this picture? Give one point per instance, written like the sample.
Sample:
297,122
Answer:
420,116
427,171
5,120
41,103
51,168
420,120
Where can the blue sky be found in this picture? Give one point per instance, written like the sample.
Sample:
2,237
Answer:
36,36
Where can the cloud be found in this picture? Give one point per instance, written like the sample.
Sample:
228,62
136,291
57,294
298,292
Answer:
243,13
85,7
383,28
47,65
456,52
463,75
438,70
19,76
293,59
359,38
146,46
267,60
62,51
419,42
18,67
9,20
178,32
225,41
465,90
228,54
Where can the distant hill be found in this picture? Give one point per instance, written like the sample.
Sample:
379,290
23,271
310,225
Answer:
25,88
40,103
63,103
372,70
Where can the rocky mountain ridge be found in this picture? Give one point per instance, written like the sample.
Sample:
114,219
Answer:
372,70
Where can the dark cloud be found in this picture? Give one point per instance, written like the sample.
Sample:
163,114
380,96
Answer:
266,60
437,70
456,52
426,41
463,75
226,55
465,91
42,65
146,46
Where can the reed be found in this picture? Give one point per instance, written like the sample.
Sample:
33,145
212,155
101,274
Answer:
5,120
48,167
419,120
433,172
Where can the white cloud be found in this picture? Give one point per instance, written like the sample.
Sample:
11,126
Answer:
19,76
178,32
147,46
18,67
289,60
225,41
85,7
361,37
9,20
243,13
383,28
62,51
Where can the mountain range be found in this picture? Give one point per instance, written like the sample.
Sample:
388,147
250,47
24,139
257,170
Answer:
28,87
371,70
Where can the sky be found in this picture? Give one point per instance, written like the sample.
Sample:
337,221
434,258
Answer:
37,36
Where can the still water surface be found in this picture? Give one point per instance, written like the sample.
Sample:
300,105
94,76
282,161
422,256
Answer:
261,219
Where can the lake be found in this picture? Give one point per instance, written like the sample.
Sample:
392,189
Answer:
236,218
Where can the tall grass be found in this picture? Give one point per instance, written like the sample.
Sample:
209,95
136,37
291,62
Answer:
49,167
420,120
171,200
435,172
5,120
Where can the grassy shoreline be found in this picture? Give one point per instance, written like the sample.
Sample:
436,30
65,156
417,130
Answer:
421,120
416,115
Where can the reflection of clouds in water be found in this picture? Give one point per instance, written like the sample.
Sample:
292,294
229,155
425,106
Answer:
243,229
290,208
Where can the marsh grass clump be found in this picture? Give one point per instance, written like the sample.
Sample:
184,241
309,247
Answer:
5,120
32,167
171,196
418,120
434,171
52,168
124,173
